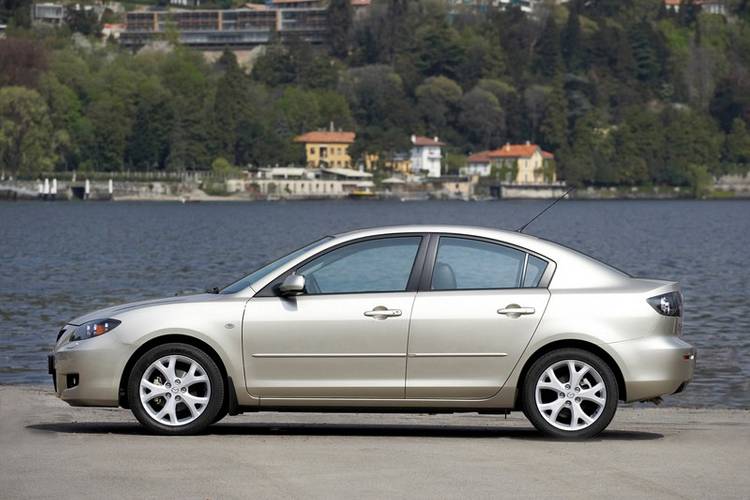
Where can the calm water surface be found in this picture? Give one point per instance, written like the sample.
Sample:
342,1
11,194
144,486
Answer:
60,260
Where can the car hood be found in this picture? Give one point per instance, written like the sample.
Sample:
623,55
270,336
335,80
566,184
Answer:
114,311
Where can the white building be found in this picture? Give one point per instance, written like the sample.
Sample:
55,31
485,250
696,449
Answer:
47,13
292,182
707,6
426,156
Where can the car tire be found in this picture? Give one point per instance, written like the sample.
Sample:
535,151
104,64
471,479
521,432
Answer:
219,416
176,389
569,406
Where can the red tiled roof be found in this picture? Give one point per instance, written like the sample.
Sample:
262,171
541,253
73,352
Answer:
481,157
510,151
360,3
326,137
426,141
515,151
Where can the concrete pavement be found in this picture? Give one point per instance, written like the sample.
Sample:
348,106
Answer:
50,450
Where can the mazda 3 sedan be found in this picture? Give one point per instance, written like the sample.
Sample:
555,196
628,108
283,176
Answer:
423,319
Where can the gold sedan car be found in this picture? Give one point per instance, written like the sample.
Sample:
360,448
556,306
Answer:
423,319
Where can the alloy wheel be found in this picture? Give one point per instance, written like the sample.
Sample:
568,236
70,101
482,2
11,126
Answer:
570,395
175,390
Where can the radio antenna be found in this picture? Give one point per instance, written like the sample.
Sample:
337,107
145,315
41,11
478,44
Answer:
522,228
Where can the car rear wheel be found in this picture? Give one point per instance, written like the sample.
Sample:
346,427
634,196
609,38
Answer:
176,389
570,393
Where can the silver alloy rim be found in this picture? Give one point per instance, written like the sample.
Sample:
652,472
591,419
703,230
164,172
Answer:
571,395
175,390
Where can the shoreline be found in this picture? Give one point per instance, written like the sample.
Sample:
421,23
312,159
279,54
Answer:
233,199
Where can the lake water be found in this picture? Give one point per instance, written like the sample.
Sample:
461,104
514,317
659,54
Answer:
63,259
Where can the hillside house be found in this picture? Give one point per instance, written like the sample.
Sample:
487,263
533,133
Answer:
516,163
426,156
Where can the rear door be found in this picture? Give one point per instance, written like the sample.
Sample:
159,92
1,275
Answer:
478,305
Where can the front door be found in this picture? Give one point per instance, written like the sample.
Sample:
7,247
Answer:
473,321
346,336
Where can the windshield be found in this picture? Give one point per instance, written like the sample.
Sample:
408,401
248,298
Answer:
270,267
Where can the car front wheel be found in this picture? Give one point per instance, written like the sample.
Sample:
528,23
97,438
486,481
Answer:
176,389
570,393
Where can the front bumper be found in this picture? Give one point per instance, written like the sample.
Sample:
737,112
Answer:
655,366
86,373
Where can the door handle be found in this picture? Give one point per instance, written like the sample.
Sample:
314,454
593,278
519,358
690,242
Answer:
515,311
382,312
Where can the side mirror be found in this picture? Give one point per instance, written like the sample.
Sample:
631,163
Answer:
294,284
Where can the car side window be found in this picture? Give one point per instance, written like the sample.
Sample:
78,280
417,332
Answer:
466,264
381,265
534,271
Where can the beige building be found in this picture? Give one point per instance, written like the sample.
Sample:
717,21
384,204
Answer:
516,163
327,148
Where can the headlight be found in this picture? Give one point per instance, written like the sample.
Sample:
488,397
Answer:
94,329
668,304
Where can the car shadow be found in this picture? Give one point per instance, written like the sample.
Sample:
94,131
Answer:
318,429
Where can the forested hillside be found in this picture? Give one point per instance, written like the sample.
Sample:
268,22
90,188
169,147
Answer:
622,91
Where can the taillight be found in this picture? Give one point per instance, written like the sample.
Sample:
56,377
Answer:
668,304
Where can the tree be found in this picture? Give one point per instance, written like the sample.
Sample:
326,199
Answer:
700,77
221,168
184,73
84,21
548,60
644,48
572,49
590,149
339,27
482,119
22,62
437,101
438,50
737,147
693,140
229,103
26,139
554,125
535,102
481,59
148,143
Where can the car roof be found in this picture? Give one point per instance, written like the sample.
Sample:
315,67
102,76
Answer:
512,237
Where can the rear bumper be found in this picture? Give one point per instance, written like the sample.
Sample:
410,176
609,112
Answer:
655,366
85,373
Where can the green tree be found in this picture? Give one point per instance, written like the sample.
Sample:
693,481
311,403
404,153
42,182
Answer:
148,143
590,151
548,59
554,125
737,147
693,139
185,74
483,119
572,44
26,140
437,101
84,21
339,27
230,103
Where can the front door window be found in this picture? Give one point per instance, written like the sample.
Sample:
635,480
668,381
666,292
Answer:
381,265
